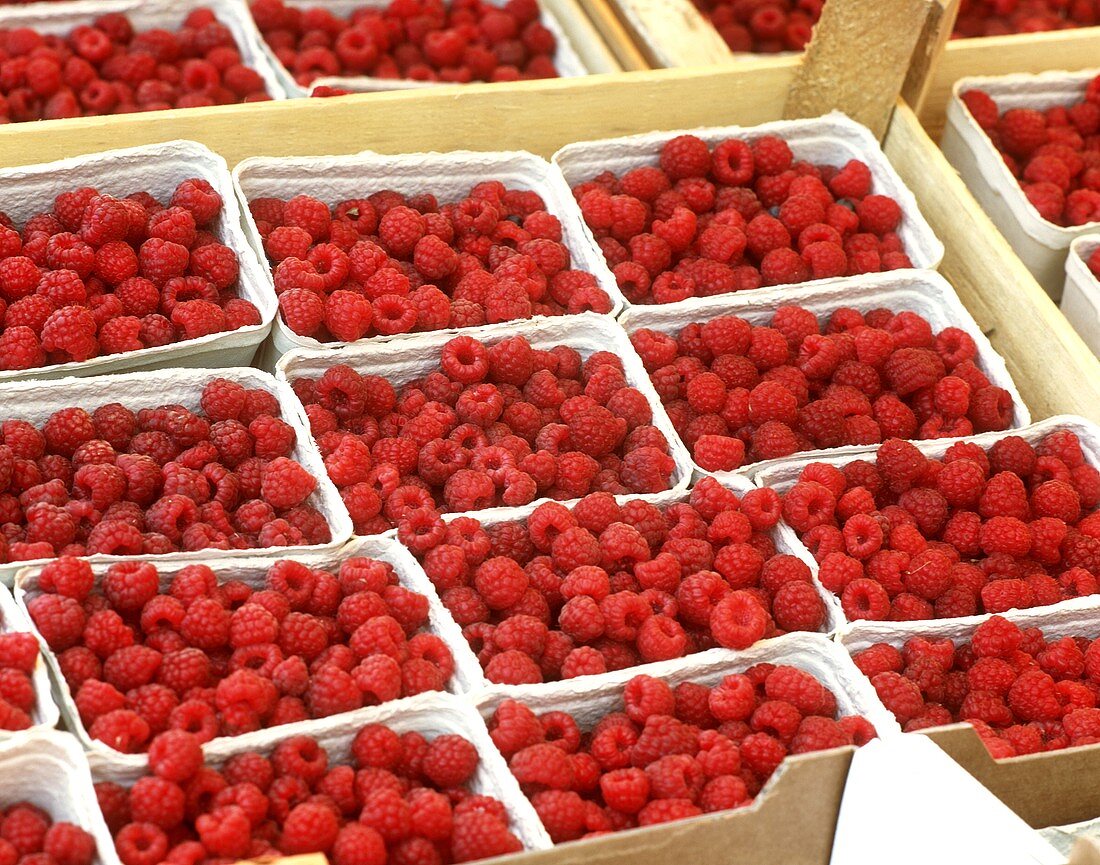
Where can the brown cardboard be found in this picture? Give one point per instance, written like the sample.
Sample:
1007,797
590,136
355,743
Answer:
1085,852
791,823
1049,789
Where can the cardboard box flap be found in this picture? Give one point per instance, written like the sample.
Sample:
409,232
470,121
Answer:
791,823
1047,789
896,785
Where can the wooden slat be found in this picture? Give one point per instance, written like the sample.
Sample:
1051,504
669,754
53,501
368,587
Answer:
929,51
1001,55
540,116
1054,370
857,60
588,42
616,34
673,33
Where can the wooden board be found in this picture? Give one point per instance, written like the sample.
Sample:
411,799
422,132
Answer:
616,35
586,38
1001,55
540,116
671,33
1053,368
884,36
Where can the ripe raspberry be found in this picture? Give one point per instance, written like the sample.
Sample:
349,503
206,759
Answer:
479,835
68,844
738,620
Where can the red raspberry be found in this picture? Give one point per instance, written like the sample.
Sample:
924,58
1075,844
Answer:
685,156
200,198
738,620
286,484
68,844
357,844
478,835
1021,131
309,827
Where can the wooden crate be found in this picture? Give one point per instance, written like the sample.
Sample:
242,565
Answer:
1055,371
1000,55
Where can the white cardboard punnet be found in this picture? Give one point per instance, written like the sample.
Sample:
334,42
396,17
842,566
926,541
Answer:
60,19
48,769
156,169
448,176
783,474
590,698
923,292
834,616
402,361
1081,297
1079,617
833,139
13,619
566,60
589,701
253,572
431,714
1041,245
35,401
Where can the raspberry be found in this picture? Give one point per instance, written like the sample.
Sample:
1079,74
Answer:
901,696
309,828
225,831
797,607
738,621
60,620
357,844
175,756
480,835
68,844
286,484
449,761
995,638
141,844
1021,131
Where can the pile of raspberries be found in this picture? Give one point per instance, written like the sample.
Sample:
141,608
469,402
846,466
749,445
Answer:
30,836
763,26
387,264
499,424
18,657
98,275
669,753
157,480
395,798
108,67
1054,154
700,223
906,537
221,660
606,587
739,393
451,41
992,18
1024,692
